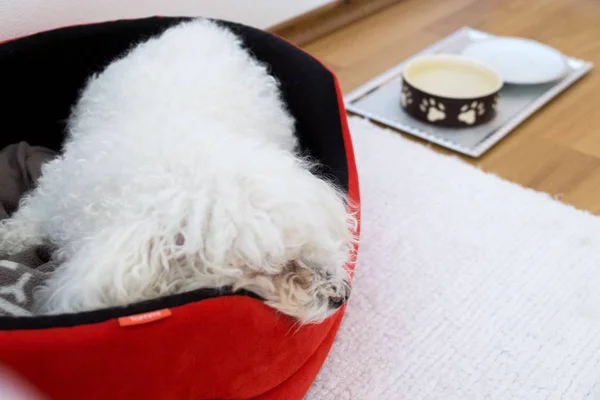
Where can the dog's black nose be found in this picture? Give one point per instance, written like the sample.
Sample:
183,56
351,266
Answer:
338,301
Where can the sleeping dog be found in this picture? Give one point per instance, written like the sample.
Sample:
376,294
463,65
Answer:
180,171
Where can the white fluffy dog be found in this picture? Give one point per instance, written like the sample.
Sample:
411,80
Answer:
180,173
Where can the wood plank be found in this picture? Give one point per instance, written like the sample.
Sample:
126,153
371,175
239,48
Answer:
327,19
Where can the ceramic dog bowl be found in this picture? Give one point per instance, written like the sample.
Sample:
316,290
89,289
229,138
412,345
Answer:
450,90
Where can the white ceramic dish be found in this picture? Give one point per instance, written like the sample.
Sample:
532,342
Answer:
520,61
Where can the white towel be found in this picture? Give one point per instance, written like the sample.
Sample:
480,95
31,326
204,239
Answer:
468,287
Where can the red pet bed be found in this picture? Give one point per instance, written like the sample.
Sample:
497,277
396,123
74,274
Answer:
206,344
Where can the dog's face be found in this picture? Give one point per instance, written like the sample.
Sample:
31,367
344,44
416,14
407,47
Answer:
310,295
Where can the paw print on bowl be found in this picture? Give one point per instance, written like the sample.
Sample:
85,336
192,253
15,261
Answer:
406,97
434,110
495,103
469,113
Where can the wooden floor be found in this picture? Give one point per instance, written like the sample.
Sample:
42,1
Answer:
558,149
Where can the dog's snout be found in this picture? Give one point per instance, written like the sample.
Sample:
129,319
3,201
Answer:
336,302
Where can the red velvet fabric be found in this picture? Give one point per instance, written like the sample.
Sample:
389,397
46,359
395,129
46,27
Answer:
231,347
223,348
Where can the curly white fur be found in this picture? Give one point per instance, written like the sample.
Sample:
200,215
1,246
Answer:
179,173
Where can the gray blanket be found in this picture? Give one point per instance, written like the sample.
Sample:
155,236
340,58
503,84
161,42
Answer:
20,167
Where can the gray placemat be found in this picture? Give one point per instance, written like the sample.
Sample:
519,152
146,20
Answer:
379,100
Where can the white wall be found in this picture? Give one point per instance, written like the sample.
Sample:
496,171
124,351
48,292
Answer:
21,17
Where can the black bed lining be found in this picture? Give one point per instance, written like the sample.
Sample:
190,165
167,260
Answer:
41,76
93,317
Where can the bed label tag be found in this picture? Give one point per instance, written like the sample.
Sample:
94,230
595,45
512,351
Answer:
144,318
